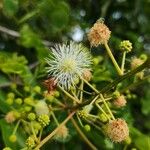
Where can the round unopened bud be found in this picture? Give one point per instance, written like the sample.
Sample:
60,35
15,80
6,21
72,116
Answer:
56,94
99,34
26,88
41,108
102,117
120,101
9,101
126,46
10,117
87,127
36,125
37,89
62,134
12,138
87,75
27,108
83,114
44,120
117,130
7,148
29,101
11,95
128,140
30,143
31,116
136,62
18,101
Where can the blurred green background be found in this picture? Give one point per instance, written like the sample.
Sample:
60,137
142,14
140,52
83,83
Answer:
29,27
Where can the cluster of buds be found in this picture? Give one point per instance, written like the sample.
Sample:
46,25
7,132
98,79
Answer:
126,46
44,120
30,142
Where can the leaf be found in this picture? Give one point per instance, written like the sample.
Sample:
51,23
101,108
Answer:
146,104
141,141
7,130
3,106
11,63
10,7
30,39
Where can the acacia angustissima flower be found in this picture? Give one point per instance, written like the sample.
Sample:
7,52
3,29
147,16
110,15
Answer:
67,62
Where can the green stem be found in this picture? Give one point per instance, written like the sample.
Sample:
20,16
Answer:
83,135
113,59
16,127
32,129
106,105
55,119
93,101
123,62
101,109
81,93
54,131
91,86
69,95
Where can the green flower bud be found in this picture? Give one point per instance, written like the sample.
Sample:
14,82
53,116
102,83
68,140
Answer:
87,127
128,140
27,108
17,114
27,89
83,114
126,46
11,95
7,148
18,101
37,89
29,101
36,125
31,116
56,94
102,118
50,98
30,143
44,120
12,138
9,101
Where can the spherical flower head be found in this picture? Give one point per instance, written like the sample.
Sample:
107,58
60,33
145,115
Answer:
126,46
117,130
67,62
10,117
62,134
99,34
31,116
30,142
120,101
41,108
44,120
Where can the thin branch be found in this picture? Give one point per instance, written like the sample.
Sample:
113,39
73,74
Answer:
83,135
54,131
17,35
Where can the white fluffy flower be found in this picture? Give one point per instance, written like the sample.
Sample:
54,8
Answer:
67,62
